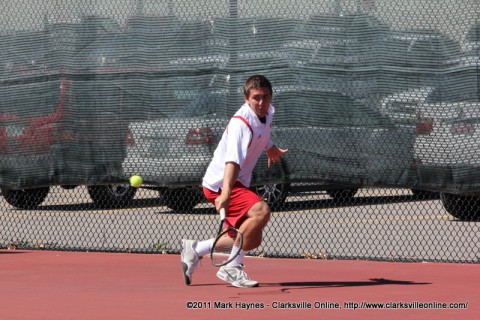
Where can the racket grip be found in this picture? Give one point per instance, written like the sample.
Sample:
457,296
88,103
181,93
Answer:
223,214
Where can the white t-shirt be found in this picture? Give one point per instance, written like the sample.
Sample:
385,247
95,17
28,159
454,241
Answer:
243,141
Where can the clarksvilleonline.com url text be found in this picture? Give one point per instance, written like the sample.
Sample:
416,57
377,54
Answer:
405,305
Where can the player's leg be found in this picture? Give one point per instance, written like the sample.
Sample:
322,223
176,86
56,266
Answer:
256,219
252,226
192,252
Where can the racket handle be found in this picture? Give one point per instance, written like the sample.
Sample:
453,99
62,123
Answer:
223,214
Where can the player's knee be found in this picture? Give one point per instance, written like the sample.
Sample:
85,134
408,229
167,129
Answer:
264,212
260,212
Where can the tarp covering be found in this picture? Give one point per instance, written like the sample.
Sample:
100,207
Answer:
368,93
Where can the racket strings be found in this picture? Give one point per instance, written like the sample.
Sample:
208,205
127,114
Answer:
226,247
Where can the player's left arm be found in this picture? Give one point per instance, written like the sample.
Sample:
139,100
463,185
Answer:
274,154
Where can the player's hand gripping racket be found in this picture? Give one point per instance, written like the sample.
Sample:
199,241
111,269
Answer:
227,244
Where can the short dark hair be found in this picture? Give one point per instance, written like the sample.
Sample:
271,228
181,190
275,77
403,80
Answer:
256,81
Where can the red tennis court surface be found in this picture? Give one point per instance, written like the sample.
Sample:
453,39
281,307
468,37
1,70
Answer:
82,285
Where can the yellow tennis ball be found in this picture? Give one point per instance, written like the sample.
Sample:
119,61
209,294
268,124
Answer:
136,181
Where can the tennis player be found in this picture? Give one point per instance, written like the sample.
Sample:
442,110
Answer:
227,180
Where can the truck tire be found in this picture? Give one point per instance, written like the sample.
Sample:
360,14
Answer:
25,198
112,196
465,208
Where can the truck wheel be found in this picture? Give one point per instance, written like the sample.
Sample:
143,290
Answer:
112,196
25,198
181,200
465,208
273,194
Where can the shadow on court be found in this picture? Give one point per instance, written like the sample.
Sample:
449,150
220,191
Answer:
339,284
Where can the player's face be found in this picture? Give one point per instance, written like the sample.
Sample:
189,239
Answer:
259,100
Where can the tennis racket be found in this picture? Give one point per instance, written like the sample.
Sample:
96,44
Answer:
227,244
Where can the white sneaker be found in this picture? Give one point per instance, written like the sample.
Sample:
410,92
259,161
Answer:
236,276
189,259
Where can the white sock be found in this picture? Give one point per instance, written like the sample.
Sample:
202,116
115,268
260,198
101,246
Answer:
204,247
238,259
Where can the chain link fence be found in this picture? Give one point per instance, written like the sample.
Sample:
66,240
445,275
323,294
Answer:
378,103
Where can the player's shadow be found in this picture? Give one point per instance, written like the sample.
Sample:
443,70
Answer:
288,286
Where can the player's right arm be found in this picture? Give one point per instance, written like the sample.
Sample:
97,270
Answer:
238,139
231,173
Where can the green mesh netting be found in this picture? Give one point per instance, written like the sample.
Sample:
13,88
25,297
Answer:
380,96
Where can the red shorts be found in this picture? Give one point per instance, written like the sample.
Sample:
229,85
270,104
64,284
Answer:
241,200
